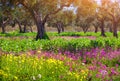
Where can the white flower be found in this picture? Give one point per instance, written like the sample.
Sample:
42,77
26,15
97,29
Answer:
83,63
39,76
33,77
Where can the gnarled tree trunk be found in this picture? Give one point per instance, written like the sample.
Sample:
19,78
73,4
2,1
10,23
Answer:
3,23
102,28
60,27
24,31
40,31
96,29
3,28
19,24
115,29
84,27
25,25
110,29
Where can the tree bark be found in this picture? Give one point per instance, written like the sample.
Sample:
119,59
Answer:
40,31
58,27
3,23
20,27
3,28
96,29
24,31
115,29
25,24
85,29
102,29
62,27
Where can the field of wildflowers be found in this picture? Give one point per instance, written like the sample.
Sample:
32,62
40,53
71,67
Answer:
41,67
59,59
95,65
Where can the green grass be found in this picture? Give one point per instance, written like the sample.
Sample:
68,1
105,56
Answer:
11,34
73,45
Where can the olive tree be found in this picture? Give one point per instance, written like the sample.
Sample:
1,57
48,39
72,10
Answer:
41,10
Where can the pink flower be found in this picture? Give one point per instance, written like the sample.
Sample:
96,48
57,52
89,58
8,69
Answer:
103,72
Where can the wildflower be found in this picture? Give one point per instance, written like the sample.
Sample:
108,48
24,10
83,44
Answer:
39,51
113,71
117,65
103,72
33,77
76,75
39,76
83,64
19,62
71,69
15,77
97,75
22,61
84,76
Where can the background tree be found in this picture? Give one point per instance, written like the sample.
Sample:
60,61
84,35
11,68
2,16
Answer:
41,10
85,13
96,24
62,19
5,14
113,10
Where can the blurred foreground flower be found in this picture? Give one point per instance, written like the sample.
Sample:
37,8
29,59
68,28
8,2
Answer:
39,76
33,77
103,72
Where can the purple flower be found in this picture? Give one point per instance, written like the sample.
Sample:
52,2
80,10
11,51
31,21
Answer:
98,75
113,72
103,72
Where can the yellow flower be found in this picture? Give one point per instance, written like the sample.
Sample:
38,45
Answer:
36,58
76,75
22,61
83,72
87,70
81,79
15,77
10,56
51,61
39,51
84,76
2,73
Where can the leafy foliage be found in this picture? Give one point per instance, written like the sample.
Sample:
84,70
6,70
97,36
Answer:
58,44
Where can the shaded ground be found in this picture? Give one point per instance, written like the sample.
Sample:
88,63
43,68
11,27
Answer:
18,37
76,37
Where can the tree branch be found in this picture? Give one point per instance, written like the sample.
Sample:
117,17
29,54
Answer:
56,11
